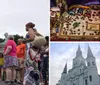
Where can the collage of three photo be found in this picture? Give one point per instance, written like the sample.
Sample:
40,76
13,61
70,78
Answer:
50,42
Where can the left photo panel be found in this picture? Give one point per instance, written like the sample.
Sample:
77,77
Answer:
24,42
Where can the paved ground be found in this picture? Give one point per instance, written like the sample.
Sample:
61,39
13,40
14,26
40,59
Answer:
3,83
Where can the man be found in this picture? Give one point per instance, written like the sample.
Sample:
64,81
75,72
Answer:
21,56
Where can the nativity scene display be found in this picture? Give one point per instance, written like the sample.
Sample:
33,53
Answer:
75,20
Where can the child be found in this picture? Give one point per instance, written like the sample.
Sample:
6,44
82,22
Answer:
1,64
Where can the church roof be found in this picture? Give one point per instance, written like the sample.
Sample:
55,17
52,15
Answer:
89,53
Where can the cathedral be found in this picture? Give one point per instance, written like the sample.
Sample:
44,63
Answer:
83,72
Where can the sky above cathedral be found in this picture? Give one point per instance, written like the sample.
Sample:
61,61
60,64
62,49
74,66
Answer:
14,14
60,53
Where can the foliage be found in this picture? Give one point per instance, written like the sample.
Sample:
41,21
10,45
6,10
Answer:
1,40
16,37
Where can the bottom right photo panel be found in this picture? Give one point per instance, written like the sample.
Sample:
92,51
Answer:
75,63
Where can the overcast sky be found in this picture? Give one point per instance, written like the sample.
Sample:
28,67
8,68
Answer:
60,53
14,14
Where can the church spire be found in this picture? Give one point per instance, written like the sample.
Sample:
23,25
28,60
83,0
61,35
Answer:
78,60
79,49
89,54
65,69
79,52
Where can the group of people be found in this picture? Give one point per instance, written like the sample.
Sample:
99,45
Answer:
25,62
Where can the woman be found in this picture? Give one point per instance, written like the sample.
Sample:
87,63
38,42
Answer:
11,61
34,41
31,31
34,38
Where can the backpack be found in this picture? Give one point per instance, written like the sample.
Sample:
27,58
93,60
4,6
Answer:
39,41
1,61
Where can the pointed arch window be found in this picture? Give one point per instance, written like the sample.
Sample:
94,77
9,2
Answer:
88,63
93,63
86,82
90,77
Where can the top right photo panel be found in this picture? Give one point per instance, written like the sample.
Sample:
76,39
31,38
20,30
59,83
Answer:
75,20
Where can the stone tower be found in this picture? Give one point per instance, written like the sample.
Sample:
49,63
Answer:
93,77
78,60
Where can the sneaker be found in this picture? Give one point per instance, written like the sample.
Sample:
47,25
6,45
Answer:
13,82
18,82
8,82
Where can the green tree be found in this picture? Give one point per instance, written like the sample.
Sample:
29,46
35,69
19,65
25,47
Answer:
16,37
1,40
